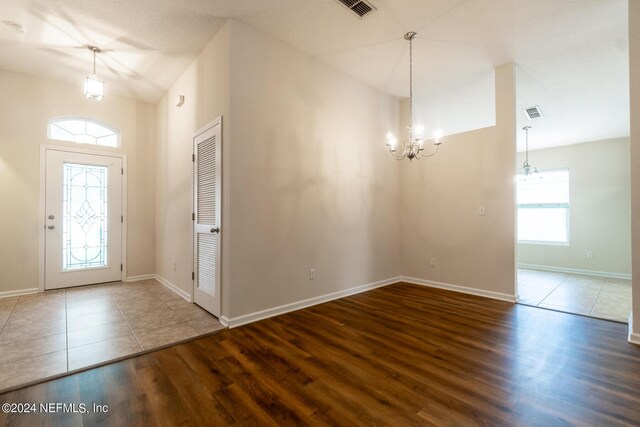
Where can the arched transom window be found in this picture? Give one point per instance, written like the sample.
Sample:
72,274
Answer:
84,131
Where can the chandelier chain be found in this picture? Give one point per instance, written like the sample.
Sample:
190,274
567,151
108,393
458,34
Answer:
411,87
526,143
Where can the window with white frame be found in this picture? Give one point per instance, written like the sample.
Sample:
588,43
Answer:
543,207
82,130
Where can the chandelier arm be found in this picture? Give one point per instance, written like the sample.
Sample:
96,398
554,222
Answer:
399,156
433,153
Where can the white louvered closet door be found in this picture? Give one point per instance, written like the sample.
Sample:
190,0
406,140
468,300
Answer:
206,230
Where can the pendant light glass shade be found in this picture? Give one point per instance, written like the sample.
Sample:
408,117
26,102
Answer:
93,88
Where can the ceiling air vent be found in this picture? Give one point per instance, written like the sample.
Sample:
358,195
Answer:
359,7
533,112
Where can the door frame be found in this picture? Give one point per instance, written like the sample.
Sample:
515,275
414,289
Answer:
215,122
42,202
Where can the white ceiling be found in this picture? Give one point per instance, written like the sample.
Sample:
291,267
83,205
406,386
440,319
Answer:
571,54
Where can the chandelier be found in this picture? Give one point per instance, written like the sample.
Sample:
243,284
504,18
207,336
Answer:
526,167
413,148
93,86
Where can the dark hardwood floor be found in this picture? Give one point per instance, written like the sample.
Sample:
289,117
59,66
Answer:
399,355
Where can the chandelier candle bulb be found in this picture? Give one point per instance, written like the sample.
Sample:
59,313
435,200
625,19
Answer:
391,141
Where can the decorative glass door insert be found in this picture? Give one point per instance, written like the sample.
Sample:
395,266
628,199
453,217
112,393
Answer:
85,216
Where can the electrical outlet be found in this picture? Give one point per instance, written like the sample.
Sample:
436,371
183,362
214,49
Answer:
312,274
432,262
589,254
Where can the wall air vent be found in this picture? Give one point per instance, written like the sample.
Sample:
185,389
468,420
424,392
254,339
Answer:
533,112
359,7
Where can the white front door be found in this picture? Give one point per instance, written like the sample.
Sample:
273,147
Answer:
83,222
206,229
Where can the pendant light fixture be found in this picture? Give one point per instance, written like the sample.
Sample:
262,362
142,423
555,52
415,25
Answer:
413,148
526,167
93,86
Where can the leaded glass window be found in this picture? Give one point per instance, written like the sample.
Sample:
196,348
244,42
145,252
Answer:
82,130
84,213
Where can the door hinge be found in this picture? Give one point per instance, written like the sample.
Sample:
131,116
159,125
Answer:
120,267
122,219
193,158
122,171
193,276
193,216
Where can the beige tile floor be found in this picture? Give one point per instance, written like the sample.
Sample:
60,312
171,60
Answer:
51,333
595,296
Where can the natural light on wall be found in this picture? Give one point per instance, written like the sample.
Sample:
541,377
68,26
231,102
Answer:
543,207
84,131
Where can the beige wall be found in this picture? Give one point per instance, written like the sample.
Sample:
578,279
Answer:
26,105
634,97
600,200
307,182
312,183
441,197
205,85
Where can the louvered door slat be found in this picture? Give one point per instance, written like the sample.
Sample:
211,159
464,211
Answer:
206,176
207,263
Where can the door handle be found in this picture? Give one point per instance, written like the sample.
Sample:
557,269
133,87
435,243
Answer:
51,227
215,230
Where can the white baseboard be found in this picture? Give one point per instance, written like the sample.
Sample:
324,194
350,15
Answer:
224,320
173,287
633,338
462,289
575,271
142,277
264,314
9,294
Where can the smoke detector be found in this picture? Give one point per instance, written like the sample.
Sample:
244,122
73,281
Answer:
533,112
359,7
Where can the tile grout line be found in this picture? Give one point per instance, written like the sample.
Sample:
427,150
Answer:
66,327
172,310
552,291
124,318
592,307
598,296
10,314
612,316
